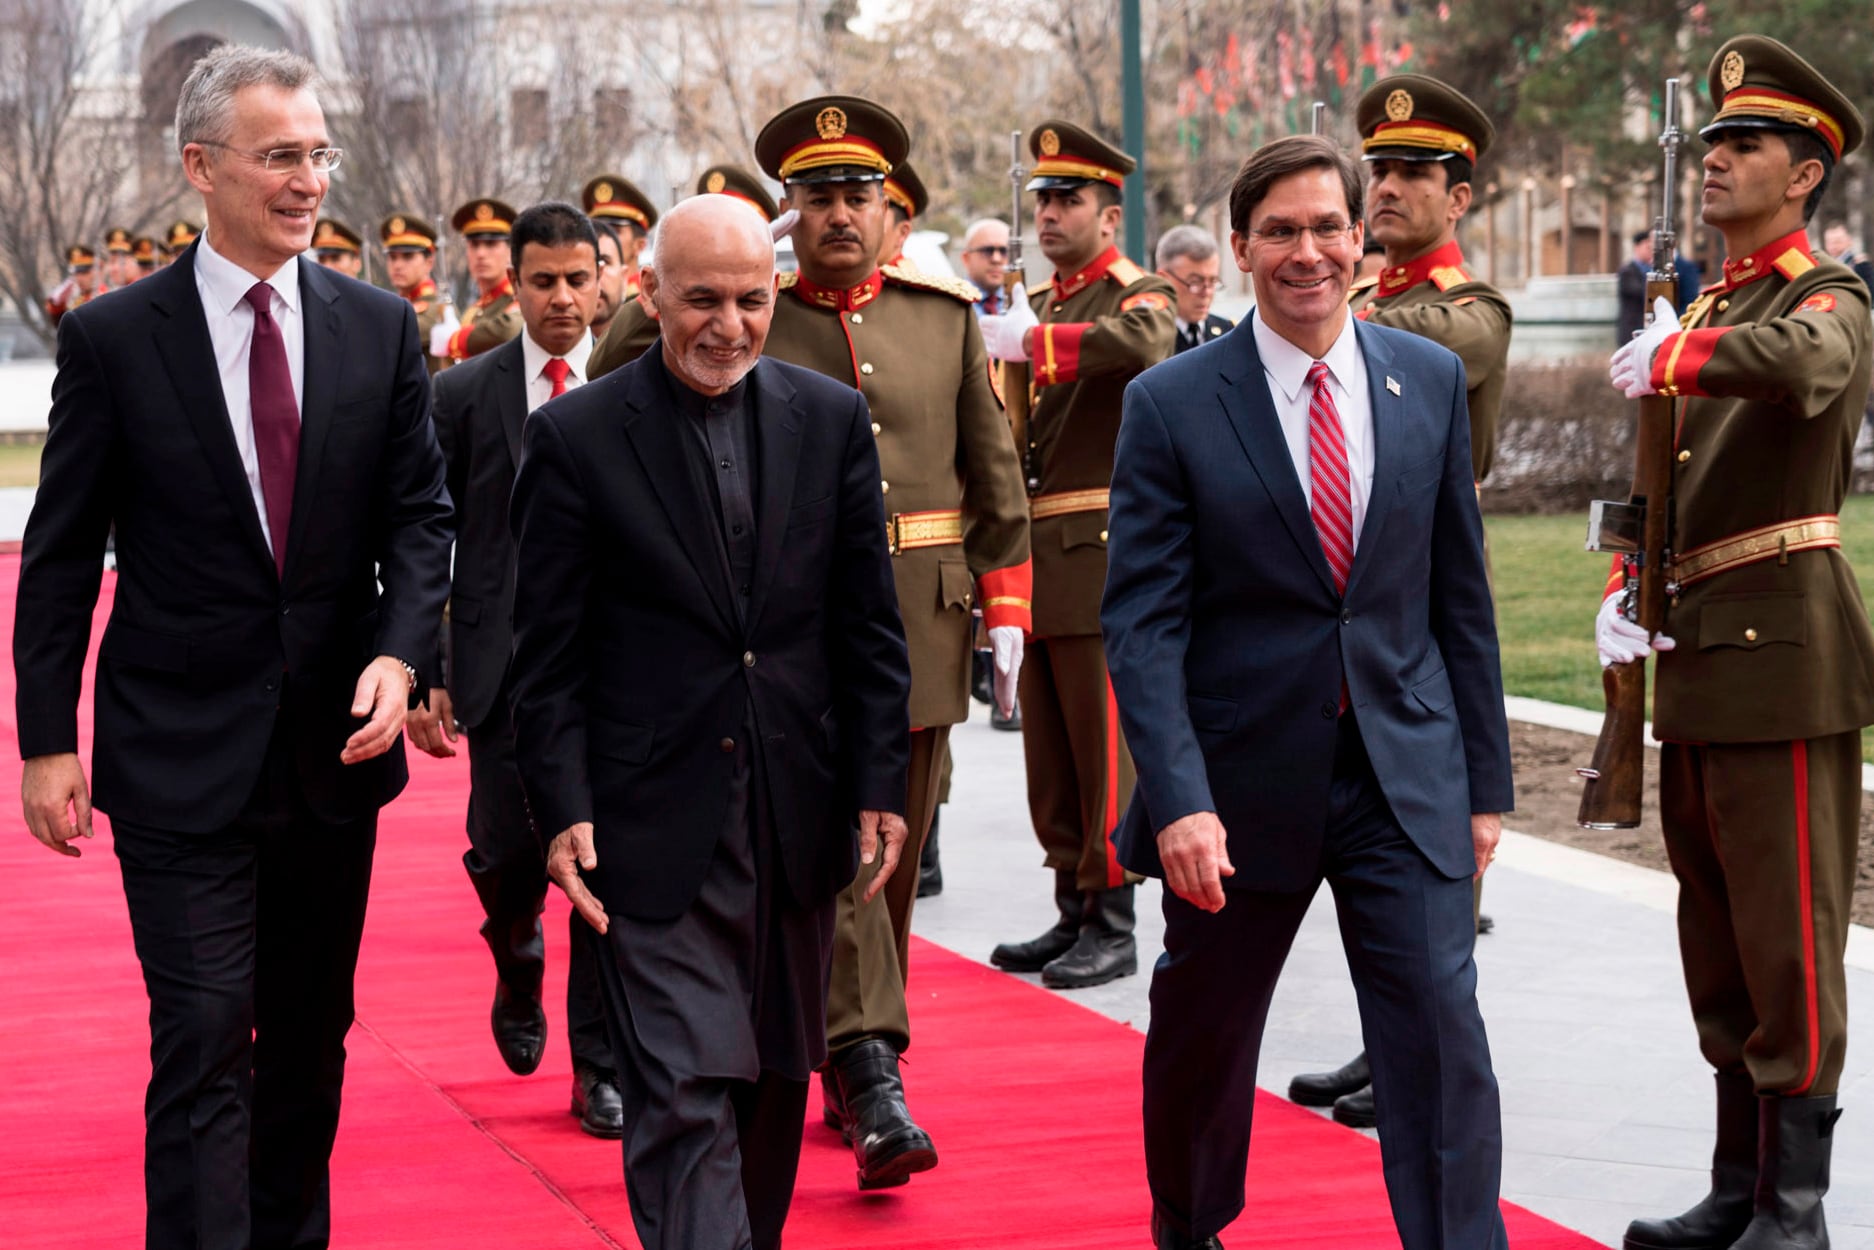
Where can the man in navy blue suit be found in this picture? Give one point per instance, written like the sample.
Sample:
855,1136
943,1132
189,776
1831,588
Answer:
1301,640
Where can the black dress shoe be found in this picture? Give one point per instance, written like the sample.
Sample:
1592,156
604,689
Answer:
1485,924
1012,721
887,1144
1355,1110
1104,950
520,1028
1166,1237
1320,1089
596,1101
982,687
930,870
1037,953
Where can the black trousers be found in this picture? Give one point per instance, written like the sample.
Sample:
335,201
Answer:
1408,933
248,938
507,864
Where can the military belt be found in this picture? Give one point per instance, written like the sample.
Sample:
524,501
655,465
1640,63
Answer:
907,531
1063,502
1750,547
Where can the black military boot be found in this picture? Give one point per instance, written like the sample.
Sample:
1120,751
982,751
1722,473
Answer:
1104,950
1794,1139
1357,1110
930,871
833,1107
1721,1217
1033,956
886,1143
1320,1089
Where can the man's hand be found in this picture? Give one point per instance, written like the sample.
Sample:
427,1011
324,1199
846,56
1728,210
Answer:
1005,648
871,825
384,695
1631,369
1005,335
1486,832
783,225
57,801
1619,640
433,728
1196,857
569,852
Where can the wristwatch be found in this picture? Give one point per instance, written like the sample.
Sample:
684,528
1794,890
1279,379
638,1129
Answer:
416,697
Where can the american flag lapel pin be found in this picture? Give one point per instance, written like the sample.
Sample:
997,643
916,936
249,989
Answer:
1392,384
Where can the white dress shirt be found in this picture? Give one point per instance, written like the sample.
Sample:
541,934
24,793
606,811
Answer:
1286,367
539,385
223,286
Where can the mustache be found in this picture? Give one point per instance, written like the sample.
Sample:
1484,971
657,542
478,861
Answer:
839,236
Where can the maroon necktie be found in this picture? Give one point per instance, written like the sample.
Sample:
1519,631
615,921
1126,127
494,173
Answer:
276,418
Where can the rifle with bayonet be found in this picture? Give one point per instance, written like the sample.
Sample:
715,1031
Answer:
1015,373
1639,533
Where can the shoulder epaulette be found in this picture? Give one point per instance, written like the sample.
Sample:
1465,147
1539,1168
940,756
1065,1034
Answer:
956,288
1444,277
1124,271
1794,263
1361,286
788,279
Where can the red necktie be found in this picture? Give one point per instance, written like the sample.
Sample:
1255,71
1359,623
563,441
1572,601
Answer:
556,371
1327,469
276,418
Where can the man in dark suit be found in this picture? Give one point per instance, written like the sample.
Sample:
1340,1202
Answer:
710,683
1630,286
479,407
1302,646
257,428
1187,256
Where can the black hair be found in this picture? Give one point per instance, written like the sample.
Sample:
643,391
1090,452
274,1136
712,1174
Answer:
898,214
1641,236
1804,146
1107,194
1457,172
551,223
605,230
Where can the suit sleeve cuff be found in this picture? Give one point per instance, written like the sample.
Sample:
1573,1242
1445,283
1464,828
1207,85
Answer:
1057,351
1007,596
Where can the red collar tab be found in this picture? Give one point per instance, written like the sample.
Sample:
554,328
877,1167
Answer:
1397,278
504,287
1086,277
1774,257
422,290
841,301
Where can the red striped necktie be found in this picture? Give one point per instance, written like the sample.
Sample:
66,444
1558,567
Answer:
1331,494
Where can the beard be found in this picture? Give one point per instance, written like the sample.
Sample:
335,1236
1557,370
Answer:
713,374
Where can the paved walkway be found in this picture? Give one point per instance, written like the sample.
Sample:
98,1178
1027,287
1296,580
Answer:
1607,1105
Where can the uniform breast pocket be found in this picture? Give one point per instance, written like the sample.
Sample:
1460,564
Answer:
953,584
1083,529
1751,621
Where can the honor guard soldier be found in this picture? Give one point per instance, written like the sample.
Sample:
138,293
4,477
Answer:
1421,141
338,247
494,317
733,180
80,285
905,193
144,251
120,265
177,238
409,243
618,202
1760,704
1101,322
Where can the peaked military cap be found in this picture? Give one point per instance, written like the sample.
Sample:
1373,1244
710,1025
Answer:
733,180
1067,156
484,217
831,138
143,249
78,256
1409,117
335,236
1760,83
905,189
406,232
117,239
611,198
179,235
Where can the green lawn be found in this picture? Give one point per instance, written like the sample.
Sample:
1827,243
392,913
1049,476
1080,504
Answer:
19,464
1548,588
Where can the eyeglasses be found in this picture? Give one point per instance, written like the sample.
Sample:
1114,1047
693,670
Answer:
1326,234
281,160
1197,283
993,253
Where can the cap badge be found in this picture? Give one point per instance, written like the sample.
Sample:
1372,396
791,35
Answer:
602,194
716,182
1399,105
325,232
484,211
396,225
831,123
1731,72
1050,143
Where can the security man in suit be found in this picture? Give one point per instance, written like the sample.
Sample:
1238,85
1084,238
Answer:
618,202
409,243
1760,704
1421,143
80,285
1187,257
1100,323
338,247
905,193
494,318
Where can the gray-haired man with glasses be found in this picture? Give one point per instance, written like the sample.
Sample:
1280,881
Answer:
1187,255
986,262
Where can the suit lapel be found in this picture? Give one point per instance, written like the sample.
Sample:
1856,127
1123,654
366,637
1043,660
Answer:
1387,428
1246,402
777,436
188,356
324,334
510,383
656,436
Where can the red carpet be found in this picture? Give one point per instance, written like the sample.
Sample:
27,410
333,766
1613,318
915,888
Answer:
1033,1101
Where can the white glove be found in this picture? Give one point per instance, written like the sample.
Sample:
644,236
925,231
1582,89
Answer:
1005,646
442,332
1619,640
1631,370
1003,332
783,225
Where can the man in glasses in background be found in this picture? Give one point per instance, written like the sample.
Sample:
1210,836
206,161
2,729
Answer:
986,261
1187,255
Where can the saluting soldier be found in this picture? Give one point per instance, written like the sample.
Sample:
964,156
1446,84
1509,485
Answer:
907,198
81,283
494,317
177,238
409,243
618,202
337,246
1421,141
1760,705
1095,327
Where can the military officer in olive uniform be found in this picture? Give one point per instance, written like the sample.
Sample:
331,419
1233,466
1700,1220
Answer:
120,266
618,202
735,181
148,256
494,317
1095,327
409,243
1760,703
81,283
338,247
1421,143
907,198
177,238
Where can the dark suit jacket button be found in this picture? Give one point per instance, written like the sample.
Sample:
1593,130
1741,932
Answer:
1328,711
748,659
1346,617
272,686
727,745
286,609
